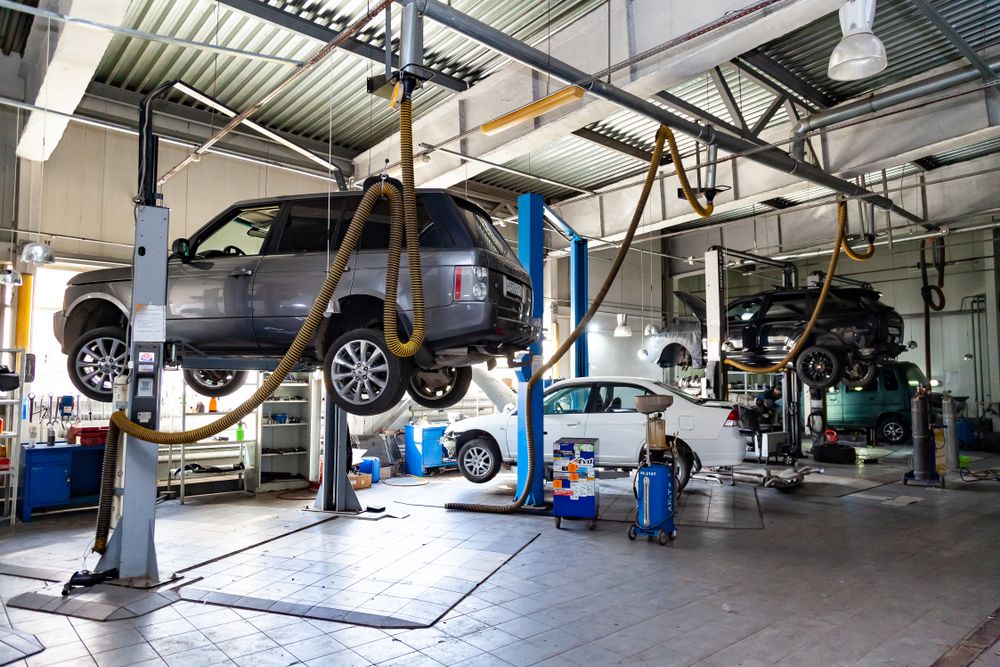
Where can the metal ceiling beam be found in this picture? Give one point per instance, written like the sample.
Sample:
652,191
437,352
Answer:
510,170
702,115
768,114
491,193
545,63
289,21
620,146
945,29
732,106
782,76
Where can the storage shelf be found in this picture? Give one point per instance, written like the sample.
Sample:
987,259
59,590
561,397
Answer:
285,454
206,413
9,434
297,400
297,424
10,401
284,485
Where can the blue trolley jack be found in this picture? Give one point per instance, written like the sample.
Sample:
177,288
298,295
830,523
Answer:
654,482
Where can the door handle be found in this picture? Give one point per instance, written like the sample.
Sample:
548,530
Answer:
241,272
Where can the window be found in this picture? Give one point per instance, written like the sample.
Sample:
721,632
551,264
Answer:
870,388
310,225
483,232
914,376
568,400
744,310
618,398
889,379
243,234
785,309
375,235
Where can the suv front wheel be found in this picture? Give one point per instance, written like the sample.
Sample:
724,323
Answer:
479,460
362,376
214,383
441,388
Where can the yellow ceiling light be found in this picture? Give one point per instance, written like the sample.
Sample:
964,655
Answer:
533,110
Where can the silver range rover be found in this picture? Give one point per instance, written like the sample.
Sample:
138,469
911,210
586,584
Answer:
240,288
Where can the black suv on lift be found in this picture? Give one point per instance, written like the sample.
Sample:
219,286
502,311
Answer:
239,289
854,332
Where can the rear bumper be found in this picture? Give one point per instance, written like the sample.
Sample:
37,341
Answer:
478,325
729,449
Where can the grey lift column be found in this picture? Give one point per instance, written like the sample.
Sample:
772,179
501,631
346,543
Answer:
335,491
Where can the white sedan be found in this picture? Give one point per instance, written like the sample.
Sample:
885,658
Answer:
707,432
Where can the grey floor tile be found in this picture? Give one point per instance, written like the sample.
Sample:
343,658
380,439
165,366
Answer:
198,657
273,657
382,650
126,655
313,647
246,645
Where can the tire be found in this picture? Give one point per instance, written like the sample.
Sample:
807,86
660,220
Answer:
479,460
361,375
819,367
632,532
858,374
662,537
95,360
834,454
892,430
214,383
451,386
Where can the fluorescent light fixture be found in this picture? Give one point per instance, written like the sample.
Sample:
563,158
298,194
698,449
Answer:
36,252
935,383
623,330
533,110
860,53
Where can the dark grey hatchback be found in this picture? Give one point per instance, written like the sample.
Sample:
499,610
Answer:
240,288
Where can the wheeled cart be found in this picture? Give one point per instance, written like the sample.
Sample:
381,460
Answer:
655,491
575,491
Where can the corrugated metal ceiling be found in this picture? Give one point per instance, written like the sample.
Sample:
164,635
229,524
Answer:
329,102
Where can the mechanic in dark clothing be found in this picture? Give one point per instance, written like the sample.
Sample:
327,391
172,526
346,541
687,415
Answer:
767,404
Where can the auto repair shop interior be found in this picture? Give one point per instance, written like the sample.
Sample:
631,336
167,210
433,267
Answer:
499,332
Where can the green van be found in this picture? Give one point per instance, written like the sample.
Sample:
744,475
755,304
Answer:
883,403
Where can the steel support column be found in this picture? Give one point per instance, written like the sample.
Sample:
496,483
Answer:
530,249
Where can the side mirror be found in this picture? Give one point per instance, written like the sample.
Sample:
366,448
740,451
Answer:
181,248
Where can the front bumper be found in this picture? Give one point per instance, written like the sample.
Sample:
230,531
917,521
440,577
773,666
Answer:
59,325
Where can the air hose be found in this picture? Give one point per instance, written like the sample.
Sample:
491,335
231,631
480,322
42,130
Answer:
827,281
856,256
402,214
692,199
932,295
661,135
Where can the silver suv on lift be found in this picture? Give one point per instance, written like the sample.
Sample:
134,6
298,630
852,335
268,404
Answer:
239,289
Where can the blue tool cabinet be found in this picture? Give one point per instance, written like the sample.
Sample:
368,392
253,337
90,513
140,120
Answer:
575,489
59,477
424,451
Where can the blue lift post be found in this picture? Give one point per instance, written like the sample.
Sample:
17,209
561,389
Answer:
530,251
578,296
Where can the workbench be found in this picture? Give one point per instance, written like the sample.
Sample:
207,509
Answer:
59,477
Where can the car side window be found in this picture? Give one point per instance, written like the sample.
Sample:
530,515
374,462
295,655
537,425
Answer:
889,380
242,234
310,225
618,398
567,401
375,235
745,310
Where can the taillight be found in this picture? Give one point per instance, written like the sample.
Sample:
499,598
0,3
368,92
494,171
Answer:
732,420
471,283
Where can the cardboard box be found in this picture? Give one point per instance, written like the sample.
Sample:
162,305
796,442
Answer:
360,480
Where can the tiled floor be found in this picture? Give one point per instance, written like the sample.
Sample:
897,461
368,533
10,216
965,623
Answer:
890,575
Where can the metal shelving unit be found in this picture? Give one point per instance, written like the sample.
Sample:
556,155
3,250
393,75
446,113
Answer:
10,437
283,455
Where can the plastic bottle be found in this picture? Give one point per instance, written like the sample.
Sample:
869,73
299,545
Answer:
32,435
213,405
240,431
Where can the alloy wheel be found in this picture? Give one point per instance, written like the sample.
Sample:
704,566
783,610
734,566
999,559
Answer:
893,431
100,361
360,372
477,461
818,366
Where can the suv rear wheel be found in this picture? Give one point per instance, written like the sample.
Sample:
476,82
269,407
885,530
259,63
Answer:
441,388
892,430
96,359
819,367
214,383
362,376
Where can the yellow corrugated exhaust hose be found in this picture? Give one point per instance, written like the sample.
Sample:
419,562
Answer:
402,215
859,256
831,269
692,199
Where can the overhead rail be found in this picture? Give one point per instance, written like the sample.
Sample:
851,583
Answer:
546,64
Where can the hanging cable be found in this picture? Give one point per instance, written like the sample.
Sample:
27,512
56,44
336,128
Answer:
827,281
932,295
